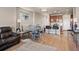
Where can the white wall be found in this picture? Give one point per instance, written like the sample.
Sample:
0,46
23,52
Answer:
29,21
45,20
38,19
8,17
42,19
66,22
76,14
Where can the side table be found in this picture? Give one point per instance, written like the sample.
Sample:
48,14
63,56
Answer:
24,35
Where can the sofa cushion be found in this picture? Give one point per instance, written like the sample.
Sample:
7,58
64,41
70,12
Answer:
5,35
5,29
1,42
10,39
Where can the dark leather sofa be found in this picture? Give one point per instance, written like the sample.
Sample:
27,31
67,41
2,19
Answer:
8,38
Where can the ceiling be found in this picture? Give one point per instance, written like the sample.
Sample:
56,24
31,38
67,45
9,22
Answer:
53,10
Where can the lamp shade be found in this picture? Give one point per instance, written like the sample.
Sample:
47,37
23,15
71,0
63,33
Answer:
19,20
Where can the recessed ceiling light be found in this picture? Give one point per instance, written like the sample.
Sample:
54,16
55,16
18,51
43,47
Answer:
43,9
67,9
55,11
59,11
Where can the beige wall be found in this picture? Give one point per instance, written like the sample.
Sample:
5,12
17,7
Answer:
8,16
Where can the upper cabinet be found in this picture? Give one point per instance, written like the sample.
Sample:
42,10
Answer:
55,18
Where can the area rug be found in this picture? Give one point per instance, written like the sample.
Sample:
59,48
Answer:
30,45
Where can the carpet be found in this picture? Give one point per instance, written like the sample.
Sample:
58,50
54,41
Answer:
30,45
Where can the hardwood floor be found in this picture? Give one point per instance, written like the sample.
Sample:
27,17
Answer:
63,42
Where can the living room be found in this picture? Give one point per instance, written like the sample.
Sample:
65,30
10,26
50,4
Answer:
24,21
